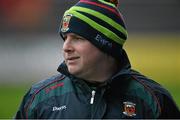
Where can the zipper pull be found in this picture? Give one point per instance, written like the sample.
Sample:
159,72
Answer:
92,97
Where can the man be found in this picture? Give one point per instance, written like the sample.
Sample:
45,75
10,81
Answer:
96,80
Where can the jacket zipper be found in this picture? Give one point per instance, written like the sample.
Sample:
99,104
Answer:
94,104
93,92
92,96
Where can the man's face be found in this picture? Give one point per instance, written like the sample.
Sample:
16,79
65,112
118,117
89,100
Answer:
81,57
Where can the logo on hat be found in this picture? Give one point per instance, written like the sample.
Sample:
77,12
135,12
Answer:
65,22
129,109
103,41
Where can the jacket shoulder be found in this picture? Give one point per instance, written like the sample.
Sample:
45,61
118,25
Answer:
37,87
35,94
154,94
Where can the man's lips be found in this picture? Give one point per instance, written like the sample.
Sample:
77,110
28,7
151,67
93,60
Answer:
71,58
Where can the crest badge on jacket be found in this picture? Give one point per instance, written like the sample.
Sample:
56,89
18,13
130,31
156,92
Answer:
129,109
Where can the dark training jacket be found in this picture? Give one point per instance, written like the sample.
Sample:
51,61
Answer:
128,94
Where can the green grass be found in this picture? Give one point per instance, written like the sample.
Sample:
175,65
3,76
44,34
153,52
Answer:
10,97
157,57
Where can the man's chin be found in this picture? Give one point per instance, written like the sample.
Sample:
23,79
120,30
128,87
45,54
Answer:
73,71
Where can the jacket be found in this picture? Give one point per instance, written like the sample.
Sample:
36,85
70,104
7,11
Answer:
128,94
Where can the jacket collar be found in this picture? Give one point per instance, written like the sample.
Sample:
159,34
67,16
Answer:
124,68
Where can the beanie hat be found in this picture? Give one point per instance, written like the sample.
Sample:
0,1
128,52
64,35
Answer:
98,21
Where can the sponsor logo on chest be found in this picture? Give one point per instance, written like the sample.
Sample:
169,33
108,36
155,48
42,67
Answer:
55,108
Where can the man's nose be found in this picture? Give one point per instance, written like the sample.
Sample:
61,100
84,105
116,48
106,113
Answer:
67,46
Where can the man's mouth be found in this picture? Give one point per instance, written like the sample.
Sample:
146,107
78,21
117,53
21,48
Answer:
71,59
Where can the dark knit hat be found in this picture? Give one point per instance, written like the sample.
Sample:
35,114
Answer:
100,22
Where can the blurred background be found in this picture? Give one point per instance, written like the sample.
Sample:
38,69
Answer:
30,46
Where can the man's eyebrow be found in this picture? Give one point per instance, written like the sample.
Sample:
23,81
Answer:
74,36
77,36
